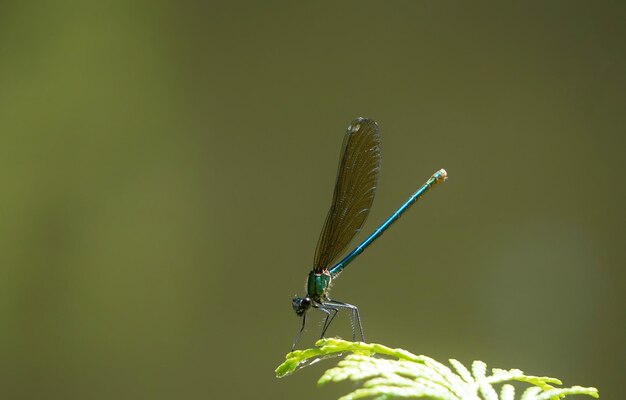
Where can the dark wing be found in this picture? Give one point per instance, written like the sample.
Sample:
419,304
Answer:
357,178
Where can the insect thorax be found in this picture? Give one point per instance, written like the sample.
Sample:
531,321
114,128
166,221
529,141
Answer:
318,285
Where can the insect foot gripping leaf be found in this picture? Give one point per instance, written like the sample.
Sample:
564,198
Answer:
386,373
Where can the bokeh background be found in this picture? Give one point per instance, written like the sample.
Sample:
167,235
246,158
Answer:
167,167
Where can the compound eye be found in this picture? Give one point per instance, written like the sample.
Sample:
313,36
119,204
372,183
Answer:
301,305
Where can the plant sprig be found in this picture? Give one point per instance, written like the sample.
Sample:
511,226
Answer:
388,373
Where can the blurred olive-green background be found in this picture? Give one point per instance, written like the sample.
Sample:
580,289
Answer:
167,167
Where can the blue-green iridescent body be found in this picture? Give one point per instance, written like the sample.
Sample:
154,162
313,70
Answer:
357,179
318,284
